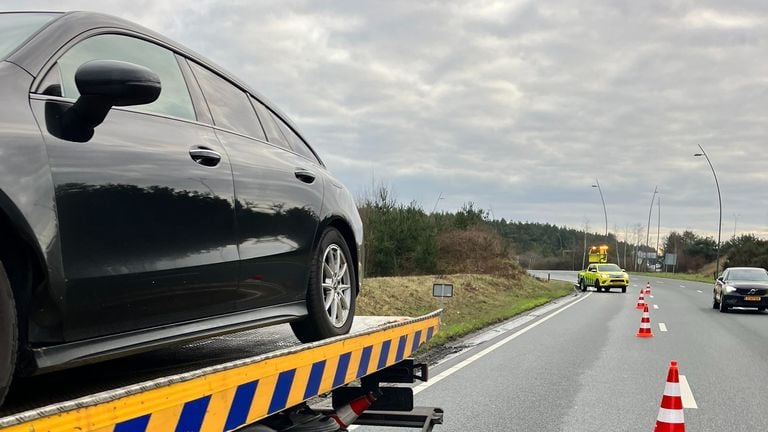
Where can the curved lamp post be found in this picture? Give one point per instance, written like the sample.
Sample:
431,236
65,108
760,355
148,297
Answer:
648,230
719,202
605,212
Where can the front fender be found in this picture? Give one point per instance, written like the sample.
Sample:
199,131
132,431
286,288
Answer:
28,199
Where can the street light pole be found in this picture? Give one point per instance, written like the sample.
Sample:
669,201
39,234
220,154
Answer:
584,256
437,201
605,211
648,230
658,227
720,204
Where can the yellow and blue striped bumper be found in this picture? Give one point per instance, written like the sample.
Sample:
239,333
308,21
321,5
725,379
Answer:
228,396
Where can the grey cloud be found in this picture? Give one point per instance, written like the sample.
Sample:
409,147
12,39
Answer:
516,105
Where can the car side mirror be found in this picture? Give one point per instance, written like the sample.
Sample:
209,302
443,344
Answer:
720,278
102,84
106,83
623,271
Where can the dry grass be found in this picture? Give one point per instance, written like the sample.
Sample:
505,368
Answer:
693,277
479,300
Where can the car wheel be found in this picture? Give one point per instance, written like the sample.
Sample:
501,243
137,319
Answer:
8,334
623,290
582,285
715,303
597,285
723,307
331,292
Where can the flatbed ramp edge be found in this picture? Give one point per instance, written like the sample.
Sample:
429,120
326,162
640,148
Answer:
234,394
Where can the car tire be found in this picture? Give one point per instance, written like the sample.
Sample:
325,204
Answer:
623,290
715,303
597,286
723,307
582,285
326,292
8,334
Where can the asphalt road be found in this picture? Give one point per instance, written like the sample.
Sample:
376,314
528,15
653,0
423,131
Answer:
579,366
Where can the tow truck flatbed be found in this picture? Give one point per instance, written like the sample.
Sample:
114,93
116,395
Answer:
216,384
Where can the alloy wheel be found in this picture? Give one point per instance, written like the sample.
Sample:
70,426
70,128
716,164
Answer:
337,289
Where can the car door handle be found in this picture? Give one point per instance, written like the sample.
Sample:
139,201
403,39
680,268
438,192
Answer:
205,156
305,175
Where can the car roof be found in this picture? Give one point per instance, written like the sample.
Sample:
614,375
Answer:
35,52
746,268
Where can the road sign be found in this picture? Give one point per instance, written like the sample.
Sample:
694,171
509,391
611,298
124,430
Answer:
442,290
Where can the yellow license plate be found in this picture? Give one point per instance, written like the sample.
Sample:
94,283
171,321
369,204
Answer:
752,298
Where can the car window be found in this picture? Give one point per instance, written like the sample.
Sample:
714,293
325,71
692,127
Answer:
16,27
270,127
298,145
174,97
756,275
229,105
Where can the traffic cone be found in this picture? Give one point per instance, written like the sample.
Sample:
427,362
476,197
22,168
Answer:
647,288
671,418
640,301
645,325
347,414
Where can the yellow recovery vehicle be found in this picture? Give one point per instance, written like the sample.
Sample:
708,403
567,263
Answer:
261,380
601,274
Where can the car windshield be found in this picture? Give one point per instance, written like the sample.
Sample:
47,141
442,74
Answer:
608,268
748,275
15,28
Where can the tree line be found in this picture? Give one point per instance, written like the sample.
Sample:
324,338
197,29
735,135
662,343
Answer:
694,251
403,239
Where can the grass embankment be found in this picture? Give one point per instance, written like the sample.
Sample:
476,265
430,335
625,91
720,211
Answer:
694,277
479,300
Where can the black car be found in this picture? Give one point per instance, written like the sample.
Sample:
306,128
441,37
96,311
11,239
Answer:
741,287
147,197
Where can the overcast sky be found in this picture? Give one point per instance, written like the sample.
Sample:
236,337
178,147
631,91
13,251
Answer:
514,105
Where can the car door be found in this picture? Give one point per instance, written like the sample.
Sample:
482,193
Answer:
279,195
591,273
146,220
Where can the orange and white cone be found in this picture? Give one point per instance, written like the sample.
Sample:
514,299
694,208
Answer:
640,301
347,414
671,418
645,325
647,288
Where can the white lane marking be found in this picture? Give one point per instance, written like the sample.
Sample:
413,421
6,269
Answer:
687,394
662,327
655,306
448,372
682,286
661,282
698,291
